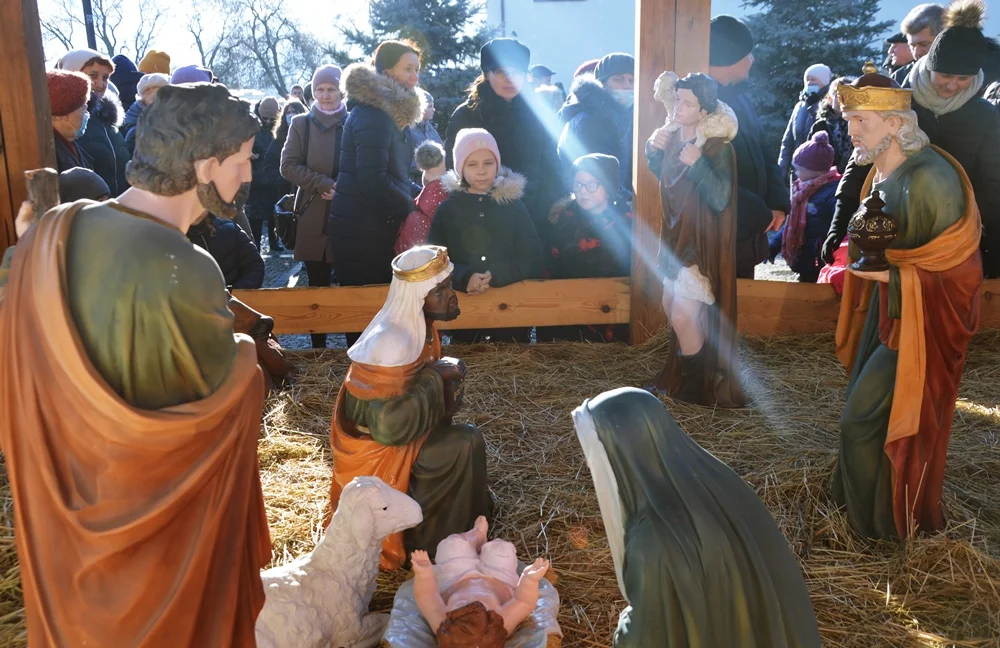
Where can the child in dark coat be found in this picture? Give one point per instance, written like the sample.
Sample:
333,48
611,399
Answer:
590,236
813,202
488,231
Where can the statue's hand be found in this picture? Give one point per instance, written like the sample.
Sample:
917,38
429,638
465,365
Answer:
25,218
536,570
452,371
450,368
882,275
660,138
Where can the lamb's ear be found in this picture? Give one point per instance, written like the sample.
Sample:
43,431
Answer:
362,524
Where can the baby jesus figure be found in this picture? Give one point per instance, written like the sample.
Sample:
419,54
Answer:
474,587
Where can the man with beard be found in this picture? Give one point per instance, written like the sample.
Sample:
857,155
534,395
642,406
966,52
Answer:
904,332
129,411
393,416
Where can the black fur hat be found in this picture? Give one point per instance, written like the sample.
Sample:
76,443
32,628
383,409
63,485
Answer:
961,48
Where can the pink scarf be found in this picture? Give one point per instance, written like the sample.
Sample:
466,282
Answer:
795,227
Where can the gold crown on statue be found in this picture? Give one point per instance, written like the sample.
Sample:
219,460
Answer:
427,271
876,92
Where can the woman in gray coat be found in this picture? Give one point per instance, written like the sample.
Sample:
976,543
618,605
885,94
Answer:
310,160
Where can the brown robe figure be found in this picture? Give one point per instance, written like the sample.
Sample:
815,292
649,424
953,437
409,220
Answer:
698,242
129,411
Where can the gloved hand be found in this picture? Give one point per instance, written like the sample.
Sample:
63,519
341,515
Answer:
830,246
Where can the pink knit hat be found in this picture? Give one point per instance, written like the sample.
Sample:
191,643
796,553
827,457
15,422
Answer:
470,140
815,155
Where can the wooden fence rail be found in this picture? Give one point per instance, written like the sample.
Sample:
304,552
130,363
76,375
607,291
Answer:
765,307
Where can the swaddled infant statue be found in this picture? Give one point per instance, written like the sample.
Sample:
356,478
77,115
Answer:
475,594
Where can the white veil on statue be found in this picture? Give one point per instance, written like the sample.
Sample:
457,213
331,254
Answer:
397,335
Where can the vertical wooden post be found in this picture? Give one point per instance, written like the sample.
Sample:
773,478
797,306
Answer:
669,35
25,121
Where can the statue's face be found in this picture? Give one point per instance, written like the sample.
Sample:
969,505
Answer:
870,133
218,182
441,303
688,110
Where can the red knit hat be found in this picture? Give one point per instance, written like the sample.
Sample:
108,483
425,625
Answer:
67,91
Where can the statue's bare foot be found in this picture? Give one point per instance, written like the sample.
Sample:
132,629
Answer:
482,526
421,561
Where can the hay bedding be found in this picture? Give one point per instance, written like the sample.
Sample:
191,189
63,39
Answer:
937,591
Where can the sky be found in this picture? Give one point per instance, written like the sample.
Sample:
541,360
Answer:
175,39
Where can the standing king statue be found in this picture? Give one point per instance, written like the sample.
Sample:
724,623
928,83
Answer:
904,332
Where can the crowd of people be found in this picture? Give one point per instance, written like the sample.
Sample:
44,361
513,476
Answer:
543,183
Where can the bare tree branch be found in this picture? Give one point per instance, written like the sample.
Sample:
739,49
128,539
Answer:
151,12
59,25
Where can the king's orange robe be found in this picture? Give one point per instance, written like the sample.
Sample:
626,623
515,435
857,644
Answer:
356,454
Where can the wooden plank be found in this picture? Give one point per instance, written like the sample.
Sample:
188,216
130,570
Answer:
531,303
24,106
670,35
766,308
769,308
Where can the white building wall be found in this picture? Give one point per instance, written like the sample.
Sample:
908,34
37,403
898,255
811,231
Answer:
562,34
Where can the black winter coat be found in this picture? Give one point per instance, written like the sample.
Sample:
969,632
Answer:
67,159
834,125
491,233
232,249
798,129
265,189
525,147
583,245
971,135
761,186
595,123
374,193
105,145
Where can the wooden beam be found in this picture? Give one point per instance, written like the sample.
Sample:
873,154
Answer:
766,308
530,303
25,121
669,35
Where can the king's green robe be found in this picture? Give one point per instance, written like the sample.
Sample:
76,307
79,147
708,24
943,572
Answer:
925,196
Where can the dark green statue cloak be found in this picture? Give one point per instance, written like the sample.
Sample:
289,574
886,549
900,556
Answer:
698,555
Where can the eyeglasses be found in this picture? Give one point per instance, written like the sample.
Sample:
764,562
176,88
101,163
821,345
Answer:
591,187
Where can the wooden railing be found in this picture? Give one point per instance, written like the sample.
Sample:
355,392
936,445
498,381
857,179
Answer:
765,307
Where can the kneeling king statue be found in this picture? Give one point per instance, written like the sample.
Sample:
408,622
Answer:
393,416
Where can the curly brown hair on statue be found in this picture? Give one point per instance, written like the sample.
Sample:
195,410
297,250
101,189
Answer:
185,124
472,626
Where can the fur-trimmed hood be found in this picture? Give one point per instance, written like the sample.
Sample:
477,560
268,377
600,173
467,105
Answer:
507,187
588,94
109,109
366,86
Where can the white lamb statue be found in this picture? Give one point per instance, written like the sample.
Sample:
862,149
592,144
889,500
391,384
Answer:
721,123
320,600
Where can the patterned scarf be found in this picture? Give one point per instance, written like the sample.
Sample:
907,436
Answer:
795,226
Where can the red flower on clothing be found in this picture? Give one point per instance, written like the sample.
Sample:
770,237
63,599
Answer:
589,244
